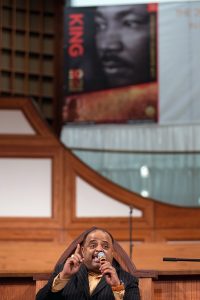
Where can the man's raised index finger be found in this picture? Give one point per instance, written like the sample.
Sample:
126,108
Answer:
78,251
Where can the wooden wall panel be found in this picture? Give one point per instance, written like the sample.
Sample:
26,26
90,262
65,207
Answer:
39,285
146,289
177,289
118,226
168,286
172,216
17,289
149,255
42,145
40,257
159,222
178,234
30,234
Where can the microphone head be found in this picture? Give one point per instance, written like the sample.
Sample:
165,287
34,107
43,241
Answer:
101,256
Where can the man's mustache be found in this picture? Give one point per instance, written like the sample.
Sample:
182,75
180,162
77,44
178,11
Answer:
115,59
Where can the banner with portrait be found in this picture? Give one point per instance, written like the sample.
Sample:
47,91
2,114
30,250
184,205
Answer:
110,64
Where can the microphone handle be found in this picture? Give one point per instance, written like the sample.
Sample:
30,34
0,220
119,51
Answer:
180,259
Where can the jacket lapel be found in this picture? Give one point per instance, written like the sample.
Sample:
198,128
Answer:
102,284
82,277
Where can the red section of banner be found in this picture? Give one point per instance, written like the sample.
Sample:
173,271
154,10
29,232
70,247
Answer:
131,103
152,7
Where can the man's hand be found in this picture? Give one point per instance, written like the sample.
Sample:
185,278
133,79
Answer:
110,273
72,264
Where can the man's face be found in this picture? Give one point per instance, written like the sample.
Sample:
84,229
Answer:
96,242
122,38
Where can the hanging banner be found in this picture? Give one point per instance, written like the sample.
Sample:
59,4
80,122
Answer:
110,64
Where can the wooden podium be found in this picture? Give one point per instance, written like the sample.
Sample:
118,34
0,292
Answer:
154,285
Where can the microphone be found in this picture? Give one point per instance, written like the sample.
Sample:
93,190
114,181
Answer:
101,256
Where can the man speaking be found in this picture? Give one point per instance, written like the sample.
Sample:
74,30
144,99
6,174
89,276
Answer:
91,273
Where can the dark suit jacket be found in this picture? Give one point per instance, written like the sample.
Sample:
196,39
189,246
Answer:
78,287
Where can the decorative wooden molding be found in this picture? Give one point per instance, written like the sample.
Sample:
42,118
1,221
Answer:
76,168
30,111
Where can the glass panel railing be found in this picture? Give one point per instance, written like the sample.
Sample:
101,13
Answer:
166,177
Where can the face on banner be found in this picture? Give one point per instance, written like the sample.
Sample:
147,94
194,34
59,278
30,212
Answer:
122,42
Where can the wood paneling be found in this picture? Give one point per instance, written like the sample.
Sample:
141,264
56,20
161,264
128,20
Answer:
176,289
42,145
146,289
150,255
17,288
167,286
171,216
159,222
39,285
40,257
